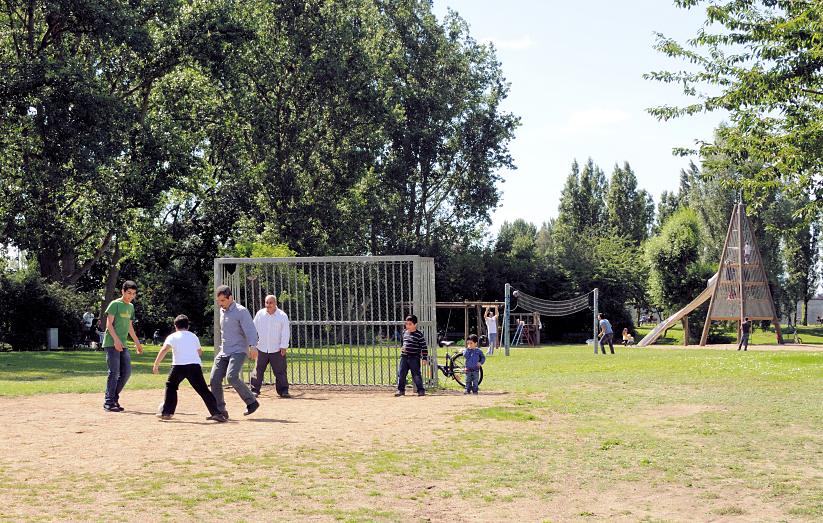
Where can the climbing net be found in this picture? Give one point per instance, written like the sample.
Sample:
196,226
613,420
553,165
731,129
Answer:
550,307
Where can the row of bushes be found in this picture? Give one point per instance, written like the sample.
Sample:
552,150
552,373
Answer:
29,306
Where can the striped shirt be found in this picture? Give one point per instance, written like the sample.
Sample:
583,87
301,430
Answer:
414,344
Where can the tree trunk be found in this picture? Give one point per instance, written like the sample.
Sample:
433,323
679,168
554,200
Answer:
111,281
805,311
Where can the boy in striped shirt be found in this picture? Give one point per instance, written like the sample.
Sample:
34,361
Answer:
414,349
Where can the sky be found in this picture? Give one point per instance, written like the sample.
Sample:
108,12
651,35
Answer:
576,74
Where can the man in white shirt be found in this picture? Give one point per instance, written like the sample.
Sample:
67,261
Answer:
491,328
273,340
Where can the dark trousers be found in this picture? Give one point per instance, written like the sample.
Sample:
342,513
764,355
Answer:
744,342
607,338
409,363
472,380
194,374
278,366
119,364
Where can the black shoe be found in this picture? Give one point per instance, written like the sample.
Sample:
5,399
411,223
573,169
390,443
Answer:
746,349
475,392
251,407
219,418
285,395
165,417
467,392
399,393
225,414
421,393
113,408
738,348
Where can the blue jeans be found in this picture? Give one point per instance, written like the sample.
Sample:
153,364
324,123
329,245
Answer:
492,343
409,363
472,380
229,366
607,338
119,364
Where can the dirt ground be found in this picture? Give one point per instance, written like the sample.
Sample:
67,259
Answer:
62,454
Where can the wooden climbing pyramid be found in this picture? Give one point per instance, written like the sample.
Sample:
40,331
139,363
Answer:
741,288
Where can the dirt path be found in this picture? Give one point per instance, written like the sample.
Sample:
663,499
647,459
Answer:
326,456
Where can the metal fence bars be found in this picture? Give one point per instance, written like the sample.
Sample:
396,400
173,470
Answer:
346,312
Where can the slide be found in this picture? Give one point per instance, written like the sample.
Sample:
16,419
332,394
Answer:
677,316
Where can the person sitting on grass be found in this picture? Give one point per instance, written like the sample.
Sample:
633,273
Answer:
185,364
628,339
474,360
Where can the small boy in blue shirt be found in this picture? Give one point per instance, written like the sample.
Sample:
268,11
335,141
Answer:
474,360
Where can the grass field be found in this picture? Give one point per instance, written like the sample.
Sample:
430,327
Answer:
557,434
810,334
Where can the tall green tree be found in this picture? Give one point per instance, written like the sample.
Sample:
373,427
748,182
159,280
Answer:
760,61
446,136
676,272
630,212
82,151
801,259
583,199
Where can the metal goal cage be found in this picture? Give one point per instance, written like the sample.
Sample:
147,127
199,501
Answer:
346,312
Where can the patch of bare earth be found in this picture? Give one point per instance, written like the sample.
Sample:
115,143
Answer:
64,458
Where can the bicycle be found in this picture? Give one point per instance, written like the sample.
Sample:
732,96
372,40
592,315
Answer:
455,368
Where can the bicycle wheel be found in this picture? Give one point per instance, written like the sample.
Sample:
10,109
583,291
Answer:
458,368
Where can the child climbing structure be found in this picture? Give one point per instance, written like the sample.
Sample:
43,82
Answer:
738,290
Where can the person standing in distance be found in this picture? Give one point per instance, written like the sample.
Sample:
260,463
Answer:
491,328
273,330
606,334
414,349
745,329
237,334
119,325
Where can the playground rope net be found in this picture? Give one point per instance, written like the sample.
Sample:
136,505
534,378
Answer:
549,307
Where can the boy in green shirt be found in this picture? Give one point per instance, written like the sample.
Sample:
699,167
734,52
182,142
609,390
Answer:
119,325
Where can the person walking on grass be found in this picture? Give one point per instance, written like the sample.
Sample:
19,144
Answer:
272,326
237,335
745,329
414,349
185,365
119,325
474,360
606,334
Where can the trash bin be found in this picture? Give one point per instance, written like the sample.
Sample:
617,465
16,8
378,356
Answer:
51,338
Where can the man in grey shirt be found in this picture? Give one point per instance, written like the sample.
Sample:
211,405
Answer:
237,334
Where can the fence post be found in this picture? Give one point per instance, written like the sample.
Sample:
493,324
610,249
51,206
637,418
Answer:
595,322
507,306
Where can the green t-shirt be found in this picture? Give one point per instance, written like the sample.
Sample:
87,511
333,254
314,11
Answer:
123,316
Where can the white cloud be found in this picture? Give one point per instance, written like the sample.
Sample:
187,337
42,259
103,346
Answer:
516,44
587,122
595,118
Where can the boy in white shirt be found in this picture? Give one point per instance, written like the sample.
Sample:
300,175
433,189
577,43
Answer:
186,352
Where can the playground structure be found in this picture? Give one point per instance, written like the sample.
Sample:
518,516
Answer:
738,290
467,307
527,323
346,312
526,328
